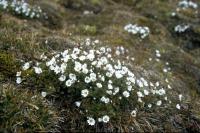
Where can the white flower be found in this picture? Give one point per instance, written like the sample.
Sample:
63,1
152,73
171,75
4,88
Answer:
140,100
38,70
57,69
18,74
76,51
109,92
18,80
158,54
96,41
169,87
157,84
85,92
140,83
151,84
91,121
72,76
166,98
134,113
78,66
106,118
157,60
117,52
94,63
44,94
63,67
51,62
145,82
78,103
62,78
149,105
99,85
118,74
93,77
126,94
74,56
87,41
165,70
116,90
105,100
132,79
68,83
173,14
180,97
85,70
187,4
26,66
161,92
82,57
159,103
146,92
109,74
103,78
100,119
178,106
124,70
110,87
135,29
103,49
87,80
104,60
90,56
157,51
140,94
66,58
181,28
129,88
64,53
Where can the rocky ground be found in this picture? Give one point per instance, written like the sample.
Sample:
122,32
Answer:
70,22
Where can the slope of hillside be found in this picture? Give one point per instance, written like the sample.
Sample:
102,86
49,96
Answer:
158,41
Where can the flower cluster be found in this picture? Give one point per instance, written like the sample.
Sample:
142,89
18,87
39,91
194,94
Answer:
184,4
22,8
101,85
135,29
181,28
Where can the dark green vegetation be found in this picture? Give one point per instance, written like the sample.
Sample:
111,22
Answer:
25,39
25,111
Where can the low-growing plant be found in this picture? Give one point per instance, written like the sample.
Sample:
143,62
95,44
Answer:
135,29
22,8
88,30
99,83
8,64
25,111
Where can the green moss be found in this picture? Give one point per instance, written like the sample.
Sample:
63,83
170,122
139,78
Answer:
96,2
8,64
24,111
87,30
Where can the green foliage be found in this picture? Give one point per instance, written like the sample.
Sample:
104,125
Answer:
24,111
88,30
8,64
98,83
